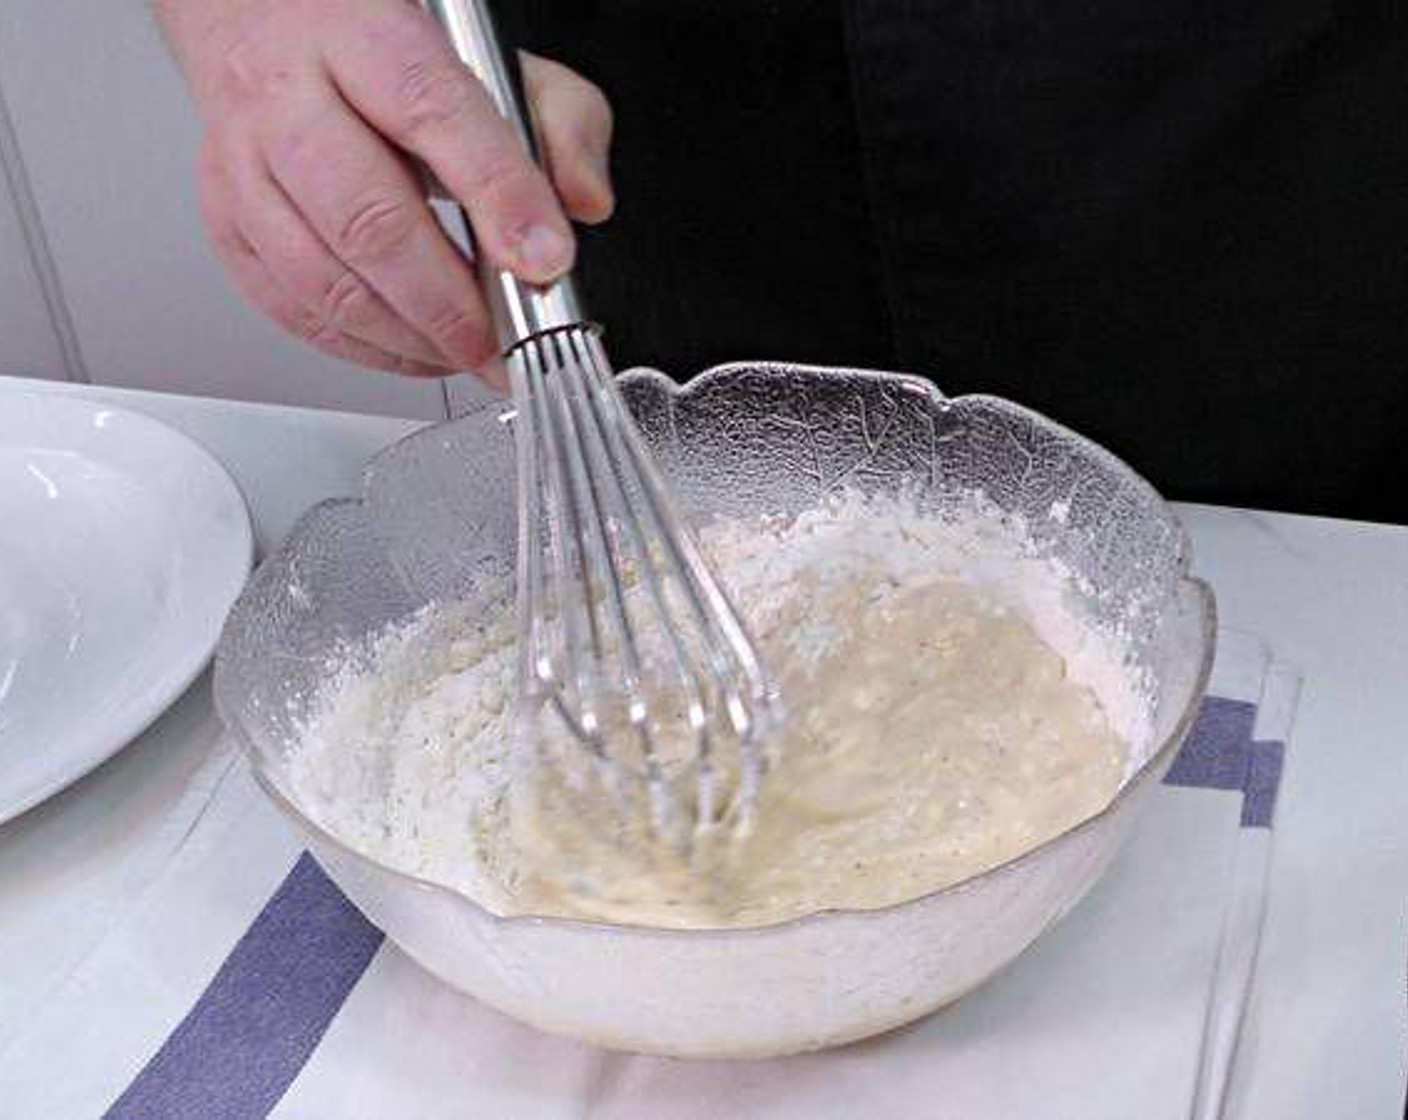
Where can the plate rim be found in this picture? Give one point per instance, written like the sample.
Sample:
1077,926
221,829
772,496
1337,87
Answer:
195,652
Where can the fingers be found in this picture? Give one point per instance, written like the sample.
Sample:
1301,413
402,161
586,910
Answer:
574,124
364,203
402,75
314,107
298,260
261,288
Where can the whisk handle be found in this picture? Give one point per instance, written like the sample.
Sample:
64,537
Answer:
475,33
521,311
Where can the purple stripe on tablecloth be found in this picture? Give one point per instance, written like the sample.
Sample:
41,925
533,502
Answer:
1220,753
245,1040
1214,756
1263,782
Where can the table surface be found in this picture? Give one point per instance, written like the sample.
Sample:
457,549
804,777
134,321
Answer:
1327,1031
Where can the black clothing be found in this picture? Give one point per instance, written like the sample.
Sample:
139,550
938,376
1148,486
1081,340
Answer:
1178,226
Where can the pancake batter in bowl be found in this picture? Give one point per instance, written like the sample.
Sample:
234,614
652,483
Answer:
947,713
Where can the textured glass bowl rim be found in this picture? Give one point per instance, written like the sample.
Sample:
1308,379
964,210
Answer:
1185,583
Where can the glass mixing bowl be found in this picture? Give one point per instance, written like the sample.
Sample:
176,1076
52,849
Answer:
436,522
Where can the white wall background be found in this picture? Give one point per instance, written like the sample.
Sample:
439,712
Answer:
105,139
29,344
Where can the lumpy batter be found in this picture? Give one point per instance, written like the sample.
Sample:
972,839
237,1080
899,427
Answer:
937,739
932,735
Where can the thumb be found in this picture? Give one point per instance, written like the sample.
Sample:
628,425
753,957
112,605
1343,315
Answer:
574,125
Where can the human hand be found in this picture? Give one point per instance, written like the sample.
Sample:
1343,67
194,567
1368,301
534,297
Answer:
312,109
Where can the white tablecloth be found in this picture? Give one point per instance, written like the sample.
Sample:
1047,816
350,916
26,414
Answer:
212,996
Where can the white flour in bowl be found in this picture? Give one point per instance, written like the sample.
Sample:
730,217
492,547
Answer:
949,710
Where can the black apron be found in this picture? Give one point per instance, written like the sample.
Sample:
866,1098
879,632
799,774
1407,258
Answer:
1178,226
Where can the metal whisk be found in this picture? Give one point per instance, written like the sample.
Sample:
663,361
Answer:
624,631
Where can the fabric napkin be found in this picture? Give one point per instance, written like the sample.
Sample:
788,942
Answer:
243,984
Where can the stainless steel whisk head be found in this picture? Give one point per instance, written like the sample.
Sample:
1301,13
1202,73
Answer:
625,634
624,629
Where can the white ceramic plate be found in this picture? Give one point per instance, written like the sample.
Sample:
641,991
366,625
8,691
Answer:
122,545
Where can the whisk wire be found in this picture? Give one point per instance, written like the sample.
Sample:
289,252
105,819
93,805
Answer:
714,615
603,578
604,425
565,610
593,500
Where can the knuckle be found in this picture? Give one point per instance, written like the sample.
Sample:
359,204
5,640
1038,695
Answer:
307,325
225,239
433,93
447,321
374,228
250,71
324,338
458,326
346,302
240,68
497,180
313,326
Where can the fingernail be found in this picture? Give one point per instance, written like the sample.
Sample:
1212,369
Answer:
544,252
